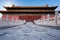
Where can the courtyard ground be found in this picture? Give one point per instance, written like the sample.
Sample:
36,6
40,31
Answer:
29,31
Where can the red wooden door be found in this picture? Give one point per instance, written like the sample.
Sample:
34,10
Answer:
29,18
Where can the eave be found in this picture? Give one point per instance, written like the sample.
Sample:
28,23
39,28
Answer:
19,11
31,7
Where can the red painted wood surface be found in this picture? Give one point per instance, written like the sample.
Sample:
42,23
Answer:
3,17
10,17
27,18
16,17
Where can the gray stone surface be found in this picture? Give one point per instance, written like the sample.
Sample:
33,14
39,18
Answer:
29,31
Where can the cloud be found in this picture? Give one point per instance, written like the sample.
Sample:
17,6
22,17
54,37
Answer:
8,3
5,3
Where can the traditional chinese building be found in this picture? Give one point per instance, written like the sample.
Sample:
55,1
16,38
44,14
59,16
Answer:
28,13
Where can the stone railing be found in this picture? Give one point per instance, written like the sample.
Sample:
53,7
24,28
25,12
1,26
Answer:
11,23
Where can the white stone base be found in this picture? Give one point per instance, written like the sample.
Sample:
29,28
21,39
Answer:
11,23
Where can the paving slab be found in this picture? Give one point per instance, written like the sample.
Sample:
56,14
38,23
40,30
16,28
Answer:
29,31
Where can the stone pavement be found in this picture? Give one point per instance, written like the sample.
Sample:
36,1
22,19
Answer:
29,31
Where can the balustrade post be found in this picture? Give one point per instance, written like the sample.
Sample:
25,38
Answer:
48,18
56,16
7,20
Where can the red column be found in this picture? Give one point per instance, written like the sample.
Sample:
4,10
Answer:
10,17
16,17
4,17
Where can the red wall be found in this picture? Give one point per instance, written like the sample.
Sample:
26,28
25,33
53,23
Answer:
27,18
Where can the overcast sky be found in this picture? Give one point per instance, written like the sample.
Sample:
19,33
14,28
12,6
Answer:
29,3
